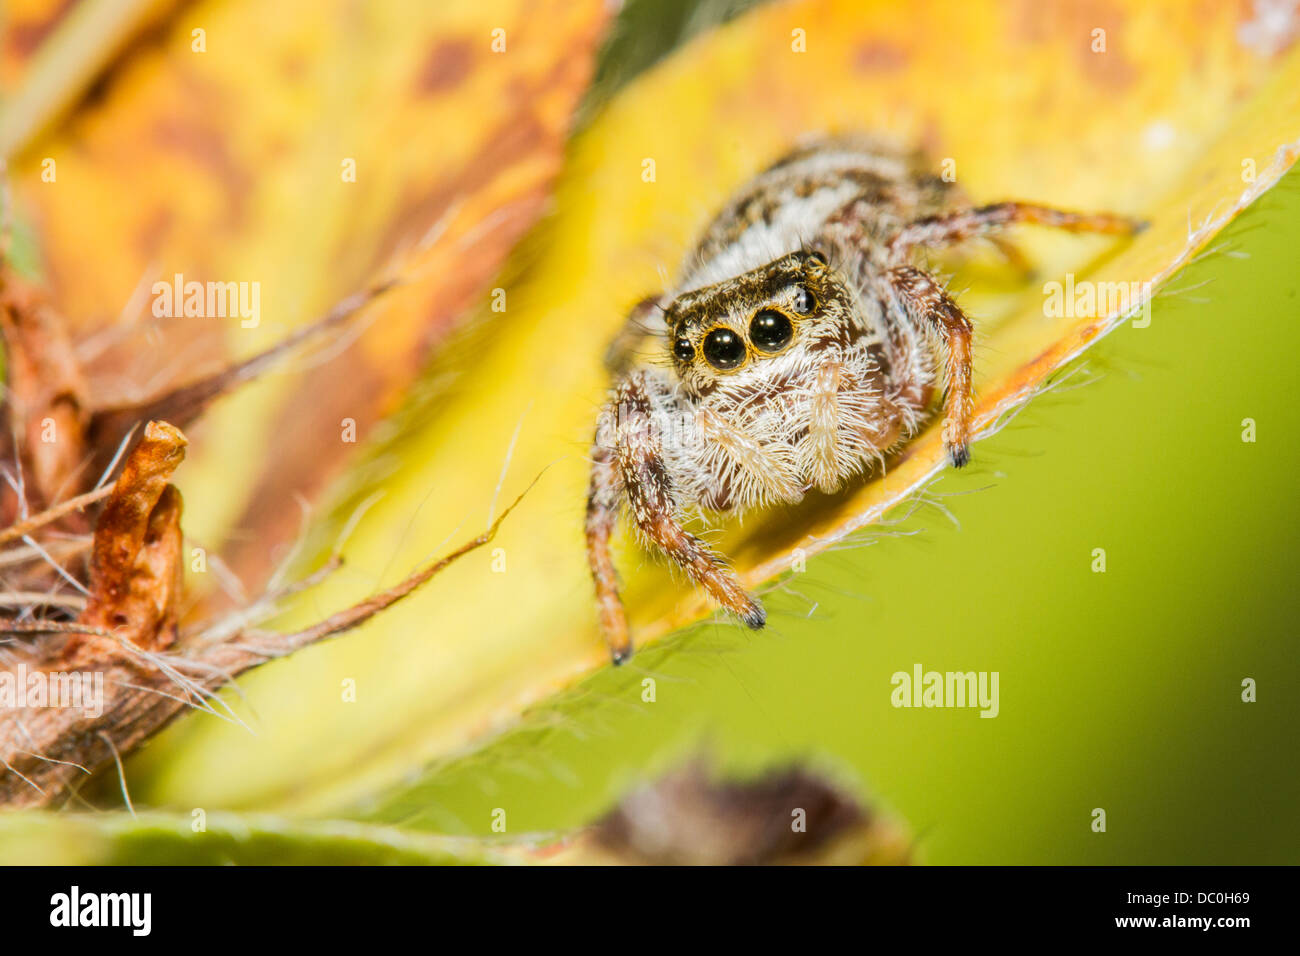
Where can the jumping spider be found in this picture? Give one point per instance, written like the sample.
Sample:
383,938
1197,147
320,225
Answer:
799,346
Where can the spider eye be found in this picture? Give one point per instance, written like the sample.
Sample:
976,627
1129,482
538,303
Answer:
771,331
683,349
724,349
804,301
816,257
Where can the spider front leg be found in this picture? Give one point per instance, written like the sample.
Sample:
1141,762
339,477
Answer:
949,228
927,305
634,469
824,422
602,517
925,302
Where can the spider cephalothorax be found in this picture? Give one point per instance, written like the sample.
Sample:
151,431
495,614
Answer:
724,330
800,344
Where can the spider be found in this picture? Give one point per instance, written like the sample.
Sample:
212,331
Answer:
800,344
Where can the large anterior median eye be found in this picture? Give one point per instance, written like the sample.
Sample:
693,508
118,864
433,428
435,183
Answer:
770,330
724,349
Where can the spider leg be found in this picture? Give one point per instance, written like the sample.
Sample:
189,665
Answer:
602,517
926,304
949,228
1013,256
663,529
643,320
756,465
824,426
635,467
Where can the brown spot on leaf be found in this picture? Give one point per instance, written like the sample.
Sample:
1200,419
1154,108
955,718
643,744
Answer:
876,56
1074,25
26,35
446,66
205,147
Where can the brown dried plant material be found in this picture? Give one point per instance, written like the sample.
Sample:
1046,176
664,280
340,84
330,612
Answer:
21,529
55,441
125,637
46,398
64,437
135,565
